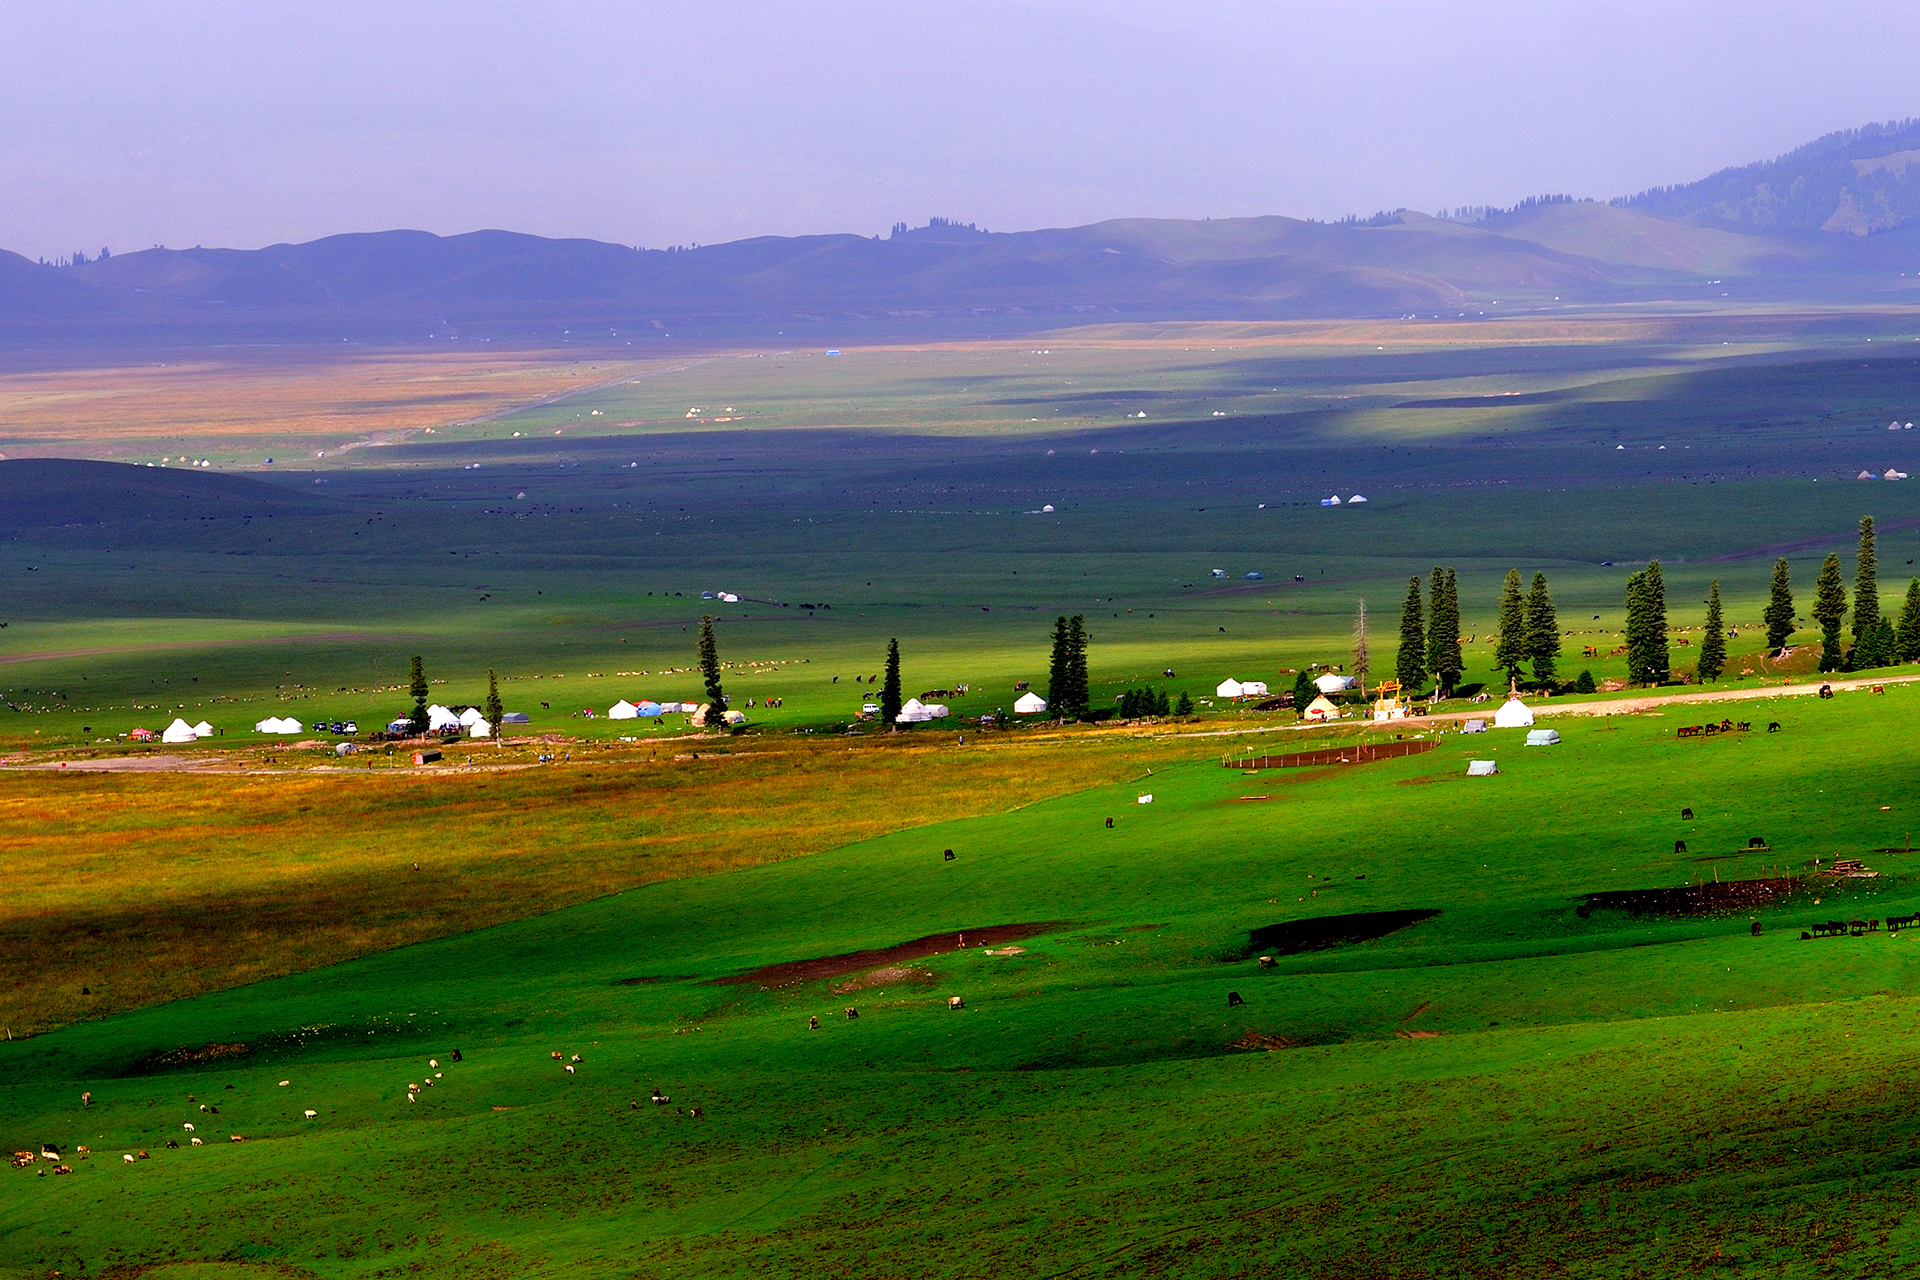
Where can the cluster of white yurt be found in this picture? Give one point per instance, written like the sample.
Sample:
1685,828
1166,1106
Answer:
275,724
914,711
181,731
645,709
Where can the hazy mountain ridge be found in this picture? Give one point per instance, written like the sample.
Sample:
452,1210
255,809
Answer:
1757,224
1858,181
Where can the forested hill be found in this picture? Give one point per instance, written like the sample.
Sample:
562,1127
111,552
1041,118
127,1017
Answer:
1859,181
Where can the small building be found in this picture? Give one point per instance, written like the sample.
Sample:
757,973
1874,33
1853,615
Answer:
426,757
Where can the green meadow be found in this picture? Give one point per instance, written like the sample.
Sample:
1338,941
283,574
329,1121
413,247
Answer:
1466,1067
1509,1085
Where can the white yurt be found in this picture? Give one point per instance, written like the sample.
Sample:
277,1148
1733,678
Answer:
913,711
273,724
1331,683
479,729
178,731
203,730
438,717
1229,688
1253,689
1321,709
1513,714
623,710
470,717
1029,704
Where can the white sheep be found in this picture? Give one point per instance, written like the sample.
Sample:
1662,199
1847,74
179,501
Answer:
569,1068
285,1083
433,1062
128,1159
312,1114
196,1142
188,1126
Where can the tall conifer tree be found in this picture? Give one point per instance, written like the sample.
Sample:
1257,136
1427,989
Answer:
494,710
1543,631
417,686
1779,615
1713,645
1443,630
1361,657
890,700
1906,637
1511,648
1866,583
710,673
1059,671
1410,660
1647,654
1081,691
1829,610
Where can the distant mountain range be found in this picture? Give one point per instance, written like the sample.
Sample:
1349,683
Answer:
1837,220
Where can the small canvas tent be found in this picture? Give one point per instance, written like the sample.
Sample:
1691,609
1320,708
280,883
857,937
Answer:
1331,683
1029,704
1321,709
736,717
203,730
1229,688
1474,726
1481,768
514,717
645,709
1515,714
438,717
401,725
178,731
479,729
1253,689
1543,737
622,710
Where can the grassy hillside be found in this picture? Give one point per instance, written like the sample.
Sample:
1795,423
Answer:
1518,1083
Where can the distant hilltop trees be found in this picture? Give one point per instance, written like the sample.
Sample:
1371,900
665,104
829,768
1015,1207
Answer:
948,227
79,259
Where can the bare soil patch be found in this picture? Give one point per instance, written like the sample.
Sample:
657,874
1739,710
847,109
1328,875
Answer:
1712,898
889,976
794,972
1321,932
1358,753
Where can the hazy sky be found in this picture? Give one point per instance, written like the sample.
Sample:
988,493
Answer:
131,124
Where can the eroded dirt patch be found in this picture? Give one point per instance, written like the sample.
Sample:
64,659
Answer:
892,975
1707,899
1321,932
795,972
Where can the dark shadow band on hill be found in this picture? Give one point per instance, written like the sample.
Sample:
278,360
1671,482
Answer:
794,972
1296,936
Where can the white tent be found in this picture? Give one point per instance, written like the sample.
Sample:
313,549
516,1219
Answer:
1543,737
479,729
1029,704
914,711
736,717
401,725
438,717
273,724
470,717
1229,688
1321,709
1515,714
203,730
178,731
1474,726
1481,768
1358,497
1254,689
1331,683
623,710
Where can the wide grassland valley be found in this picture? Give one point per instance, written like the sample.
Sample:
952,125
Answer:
1399,798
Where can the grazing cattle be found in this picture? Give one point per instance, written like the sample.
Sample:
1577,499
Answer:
949,857
433,1062
21,1159
569,1068
1773,726
1690,731
60,1169
311,1114
172,1145
1686,815
633,1106
1897,923
577,1058
1233,998
49,1152
557,1055
235,1138
1109,824
813,1024
1266,962
456,1056
1755,931
852,1013
955,1002
694,1113
86,1099
128,1157
660,1099
141,1155
1745,726
196,1142
84,1152
1679,846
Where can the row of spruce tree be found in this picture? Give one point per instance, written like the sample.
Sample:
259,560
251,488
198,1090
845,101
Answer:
1877,641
